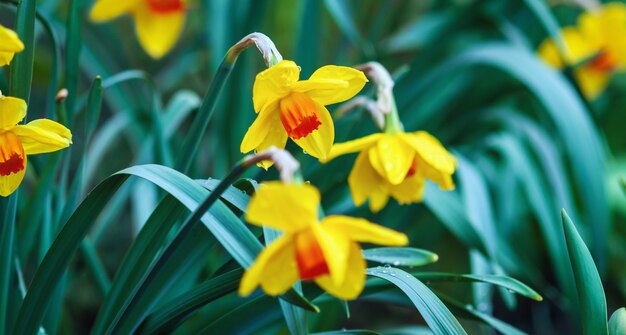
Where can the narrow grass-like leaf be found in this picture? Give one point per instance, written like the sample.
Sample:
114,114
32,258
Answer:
22,65
341,15
166,318
349,331
591,298
94,107
435,313
73,41
400,256
7,232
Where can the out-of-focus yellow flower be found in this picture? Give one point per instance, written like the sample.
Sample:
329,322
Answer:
596,48
289,107
18,141
158,23
395,164
327,251
9,45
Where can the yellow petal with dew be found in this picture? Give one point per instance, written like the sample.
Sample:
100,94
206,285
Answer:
319,142
105,10
275,269
286,207
359,144
274,83
259,130
392,158
335,248
12,111
354,281
332,84
42,136
158,32
361,230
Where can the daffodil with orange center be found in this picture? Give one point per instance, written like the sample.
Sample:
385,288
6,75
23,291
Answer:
289,107
9,45
18,141
596,48
395,164
158,23
326,251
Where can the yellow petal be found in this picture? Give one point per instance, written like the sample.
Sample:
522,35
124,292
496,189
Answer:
378,200
273,84
361,230
12,111
353,283
332,84
319,142
410,190
275,269
363,180
42,136
392,158
9,45
157,32
605,30
105,10
335,248
286,207
591,81
577,47
10,183
359,144
431,151
266,131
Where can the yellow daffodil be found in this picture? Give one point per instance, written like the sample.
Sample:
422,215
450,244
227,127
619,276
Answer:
289,107
17,141
158,23
596,48
327,252
9,45
395,164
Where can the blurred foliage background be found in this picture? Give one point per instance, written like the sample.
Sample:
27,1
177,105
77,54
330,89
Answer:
528,145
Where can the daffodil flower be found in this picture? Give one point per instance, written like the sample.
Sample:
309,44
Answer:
158,23
327,252
289,107
9,45
596,48
395,164
17,141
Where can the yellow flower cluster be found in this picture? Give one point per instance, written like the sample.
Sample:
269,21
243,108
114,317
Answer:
16,140
595,48
392,163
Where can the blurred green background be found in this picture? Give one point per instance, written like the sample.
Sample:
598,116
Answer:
528,145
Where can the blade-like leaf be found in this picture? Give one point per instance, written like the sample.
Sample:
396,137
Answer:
434,312
617,323
591,299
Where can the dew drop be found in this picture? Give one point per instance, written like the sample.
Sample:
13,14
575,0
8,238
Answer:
396,263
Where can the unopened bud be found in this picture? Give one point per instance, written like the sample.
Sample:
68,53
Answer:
61,95
285,163
266,47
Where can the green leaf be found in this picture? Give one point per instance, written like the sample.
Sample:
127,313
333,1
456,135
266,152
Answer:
7,232
73,48
94,107
508,283
22,65
166,318
617,323
591,299
400,256
434,312
341,14
349,331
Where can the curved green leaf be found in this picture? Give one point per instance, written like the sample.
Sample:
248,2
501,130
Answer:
434,312
617,323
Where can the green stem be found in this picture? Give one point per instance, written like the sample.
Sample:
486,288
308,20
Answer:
392,120
201,121
7,231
